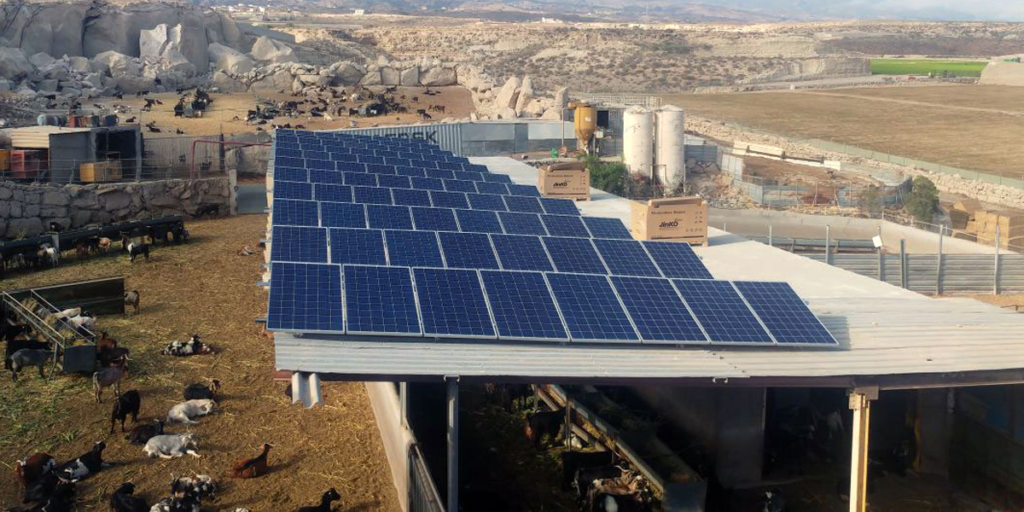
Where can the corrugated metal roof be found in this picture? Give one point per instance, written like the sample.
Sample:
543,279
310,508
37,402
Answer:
882,329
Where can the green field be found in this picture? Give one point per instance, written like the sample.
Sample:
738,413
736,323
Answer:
925,66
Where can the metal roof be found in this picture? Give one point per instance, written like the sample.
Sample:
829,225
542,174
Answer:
883,331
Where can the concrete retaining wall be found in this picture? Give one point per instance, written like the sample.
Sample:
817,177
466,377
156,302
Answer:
28,209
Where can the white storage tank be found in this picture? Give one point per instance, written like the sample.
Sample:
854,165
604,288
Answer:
670,148
638,140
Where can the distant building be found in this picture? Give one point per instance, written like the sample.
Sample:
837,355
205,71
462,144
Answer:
555,21
359,12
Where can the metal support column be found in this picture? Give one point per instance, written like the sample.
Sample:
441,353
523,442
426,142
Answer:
828,245
938,268
860,403
403,403
995,274
771,241
903,264
452,384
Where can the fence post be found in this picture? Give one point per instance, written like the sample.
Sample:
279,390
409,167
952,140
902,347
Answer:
995,274
881,264
903,263
938,267
828,245
770,241
138,156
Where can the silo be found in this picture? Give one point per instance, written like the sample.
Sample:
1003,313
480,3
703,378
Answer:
670,148
638,140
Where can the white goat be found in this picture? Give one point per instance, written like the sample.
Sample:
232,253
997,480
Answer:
171,446
185,411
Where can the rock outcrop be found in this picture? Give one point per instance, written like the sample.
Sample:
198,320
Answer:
267,50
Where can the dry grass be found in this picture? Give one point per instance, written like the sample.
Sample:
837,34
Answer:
201,287
960,126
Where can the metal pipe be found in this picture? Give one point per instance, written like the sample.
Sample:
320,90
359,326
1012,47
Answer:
938,267
995,273
452,383
861,406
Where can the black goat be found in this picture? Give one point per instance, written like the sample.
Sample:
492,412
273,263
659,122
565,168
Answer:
127,404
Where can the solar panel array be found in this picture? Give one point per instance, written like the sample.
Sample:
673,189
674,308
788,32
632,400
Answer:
394,237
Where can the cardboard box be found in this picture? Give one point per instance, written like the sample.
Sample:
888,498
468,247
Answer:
100,171
682,219
568,181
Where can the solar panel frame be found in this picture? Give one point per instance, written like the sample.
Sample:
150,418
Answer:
434,219
453,304
522,305
626,258
676,260
467,250
657,311
384,216
298,244
294,212
591,308
305,289
521,252
782,311
380,301
574,255
722,312
522,223
342,215
478,221
607,227
357,246
413,248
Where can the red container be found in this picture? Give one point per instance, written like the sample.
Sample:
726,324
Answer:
26,164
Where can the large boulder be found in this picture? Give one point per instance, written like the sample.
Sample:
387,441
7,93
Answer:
14,64
373,76
153,42
41,60
226,83
390,76
410,77
230,60
525,95
79,64
118,64
508,94
438,76
561,97
347,73
281,80
266,49
48,85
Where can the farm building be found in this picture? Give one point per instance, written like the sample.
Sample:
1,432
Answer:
59,152
342,306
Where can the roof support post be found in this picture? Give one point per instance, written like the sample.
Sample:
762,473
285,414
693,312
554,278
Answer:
452,385
860,403
403,403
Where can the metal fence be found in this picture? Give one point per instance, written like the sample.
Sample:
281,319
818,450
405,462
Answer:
617,99
937,274
423,495
769,192
129,170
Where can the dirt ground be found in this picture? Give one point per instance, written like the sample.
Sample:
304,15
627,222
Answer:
227,112
1011,302
975,127
199,287
792,174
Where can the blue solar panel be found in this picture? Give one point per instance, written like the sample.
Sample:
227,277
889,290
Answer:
292,190
372,195
574,255
522,223
565,225
290,174
486,202
459,186
427,184
522,306
517,252
426,164
657,311
396,162
330,177
366,159
434,219
343,157
626,258
361,179
559,206
342,215
677,260
413,248
443,174
415,172
523,204
325,165
333,193
294,213
393,181
452,303
788,319
305,297
467,250
468,176
591,309
380,216
448,199
316,155
409,197
380,169
722,312
523,190
351,167
358,246
497,178
285,161
601,227
298,244
380,300
492,188
478,221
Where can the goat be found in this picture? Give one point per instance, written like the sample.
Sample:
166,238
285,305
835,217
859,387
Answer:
584,478
546,422
325,502
107,377
103,244
134,250
84,466
31,469
572,462
251,468
127,404
124,500
142,433
112,356
201,487
29,357
210,210
193,346
171,446
132,299
84,320
201,392
185,411
50,494
185,504
81,251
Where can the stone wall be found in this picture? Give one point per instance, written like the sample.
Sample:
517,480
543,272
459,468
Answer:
28,209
